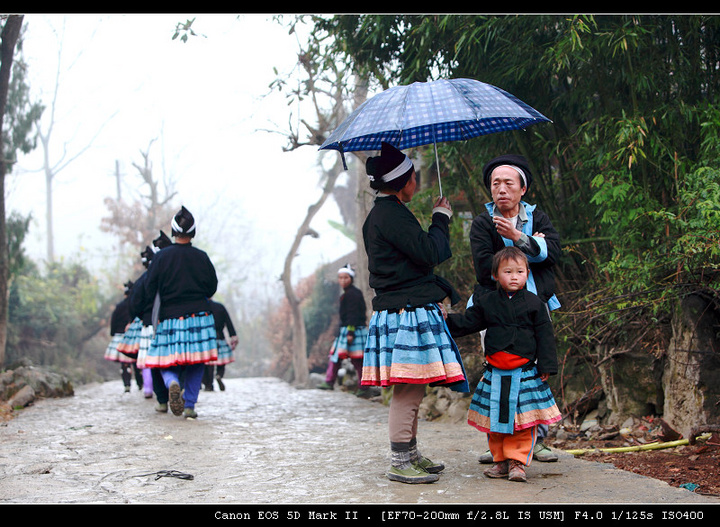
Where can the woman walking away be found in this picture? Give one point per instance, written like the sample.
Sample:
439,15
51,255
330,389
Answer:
141,308
183,279
409,346
216,369
119,322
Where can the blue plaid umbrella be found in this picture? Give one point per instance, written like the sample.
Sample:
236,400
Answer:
431,112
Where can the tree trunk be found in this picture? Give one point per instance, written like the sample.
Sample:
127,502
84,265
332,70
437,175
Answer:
299,339
8,40
50,242
364,204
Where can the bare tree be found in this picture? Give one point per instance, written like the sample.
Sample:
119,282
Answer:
51,168
299,334
139,220
324,87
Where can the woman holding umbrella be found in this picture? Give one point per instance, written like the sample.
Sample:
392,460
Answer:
408,345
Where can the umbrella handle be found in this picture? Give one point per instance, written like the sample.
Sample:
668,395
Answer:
437,164
342,156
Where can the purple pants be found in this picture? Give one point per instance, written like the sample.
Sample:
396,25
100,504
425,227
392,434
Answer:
334,367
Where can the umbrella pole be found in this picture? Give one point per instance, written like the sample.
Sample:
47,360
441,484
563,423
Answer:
437,164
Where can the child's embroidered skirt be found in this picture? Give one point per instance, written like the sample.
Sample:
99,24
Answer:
111,352
509,400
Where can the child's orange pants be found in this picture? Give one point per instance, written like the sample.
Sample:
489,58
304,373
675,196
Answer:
518,445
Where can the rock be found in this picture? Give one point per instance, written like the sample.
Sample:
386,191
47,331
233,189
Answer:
314,379
561,434
45,383
630,383
22,398
23,385
589,422
667,433
443,403
691,380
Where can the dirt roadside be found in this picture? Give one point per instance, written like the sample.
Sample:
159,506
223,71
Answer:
263,442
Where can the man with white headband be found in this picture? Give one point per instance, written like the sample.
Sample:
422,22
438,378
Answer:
510,221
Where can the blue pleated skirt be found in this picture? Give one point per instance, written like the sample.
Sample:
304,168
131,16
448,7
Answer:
130,343
412,346
341,350
112,353
224,353
182,341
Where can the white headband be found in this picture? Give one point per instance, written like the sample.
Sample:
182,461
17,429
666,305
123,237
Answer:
347,270
397,171
177,227
519,171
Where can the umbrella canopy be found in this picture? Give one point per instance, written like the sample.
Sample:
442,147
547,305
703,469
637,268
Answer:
431,112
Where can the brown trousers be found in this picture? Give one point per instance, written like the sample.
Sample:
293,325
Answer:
403,414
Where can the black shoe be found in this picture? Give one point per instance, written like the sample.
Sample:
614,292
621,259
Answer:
220,383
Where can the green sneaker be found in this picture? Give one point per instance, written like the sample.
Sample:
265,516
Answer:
189,413
162,408
412,474
324,386
429,466
543,454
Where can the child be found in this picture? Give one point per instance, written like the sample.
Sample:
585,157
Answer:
513,396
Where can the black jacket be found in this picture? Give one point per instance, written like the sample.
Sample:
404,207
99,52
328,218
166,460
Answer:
519,325
352,308
140,306
185,278
120,317
222,319
485,242
401,255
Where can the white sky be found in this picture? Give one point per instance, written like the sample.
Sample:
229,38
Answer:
122,76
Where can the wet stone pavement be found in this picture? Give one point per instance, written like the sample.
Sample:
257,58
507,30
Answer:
264,445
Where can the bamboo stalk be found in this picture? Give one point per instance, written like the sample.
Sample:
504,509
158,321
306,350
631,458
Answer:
637,448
